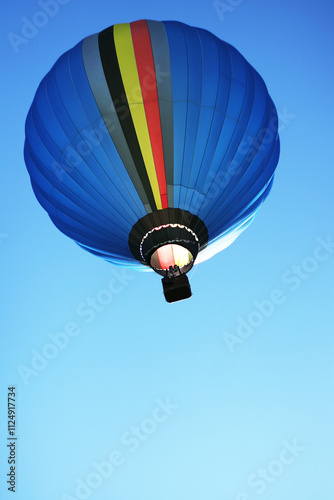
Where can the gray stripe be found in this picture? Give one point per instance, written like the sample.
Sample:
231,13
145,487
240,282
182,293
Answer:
97,81
161,58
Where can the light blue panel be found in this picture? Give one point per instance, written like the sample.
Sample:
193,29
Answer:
179,127
80,83
178,63
177,189
193,66
111,169
193,112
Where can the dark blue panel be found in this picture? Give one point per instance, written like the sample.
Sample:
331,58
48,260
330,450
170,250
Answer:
237,219
36,146
43,199
238,63
206,137
49,120
81,235
254,184
64,187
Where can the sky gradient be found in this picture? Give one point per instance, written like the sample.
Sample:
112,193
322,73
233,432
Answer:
226,396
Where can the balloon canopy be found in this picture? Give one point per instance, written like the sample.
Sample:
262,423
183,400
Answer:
152,144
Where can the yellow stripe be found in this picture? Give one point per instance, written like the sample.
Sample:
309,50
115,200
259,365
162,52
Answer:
128,68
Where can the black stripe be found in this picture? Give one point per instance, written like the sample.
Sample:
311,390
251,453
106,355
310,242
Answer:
113,77
167,216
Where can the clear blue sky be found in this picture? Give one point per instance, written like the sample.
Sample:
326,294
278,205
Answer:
227,396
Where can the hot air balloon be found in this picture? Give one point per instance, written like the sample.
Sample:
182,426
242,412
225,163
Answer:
152,144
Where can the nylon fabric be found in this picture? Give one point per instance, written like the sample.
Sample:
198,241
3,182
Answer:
128,68
116,88
146,73
162,68
145,116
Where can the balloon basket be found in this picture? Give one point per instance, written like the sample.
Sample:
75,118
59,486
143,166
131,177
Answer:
176,288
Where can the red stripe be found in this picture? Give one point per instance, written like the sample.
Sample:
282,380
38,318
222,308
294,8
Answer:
146,72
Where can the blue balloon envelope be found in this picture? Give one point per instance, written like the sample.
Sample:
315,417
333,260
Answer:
152,144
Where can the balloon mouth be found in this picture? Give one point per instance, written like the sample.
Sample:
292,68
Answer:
169,241
171,226
170,249
170,257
